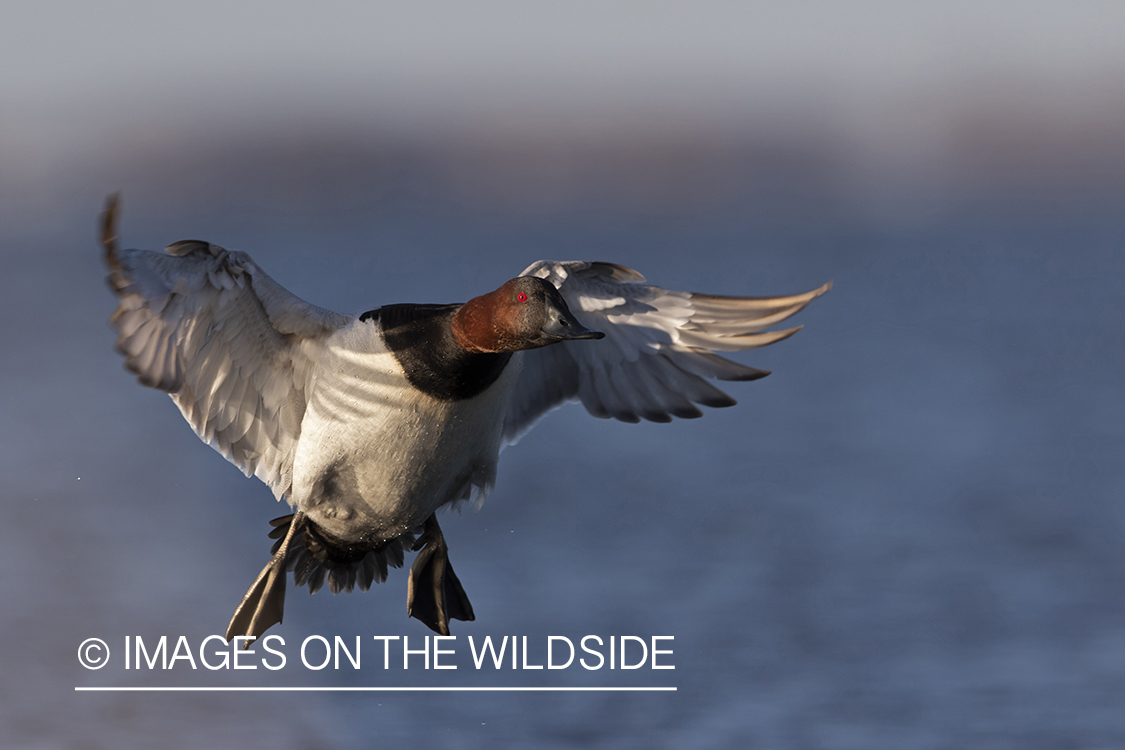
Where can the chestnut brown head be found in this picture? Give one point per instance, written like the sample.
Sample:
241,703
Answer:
525,313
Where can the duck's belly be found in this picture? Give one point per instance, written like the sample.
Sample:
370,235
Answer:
377,457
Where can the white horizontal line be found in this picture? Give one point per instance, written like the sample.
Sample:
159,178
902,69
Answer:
372,689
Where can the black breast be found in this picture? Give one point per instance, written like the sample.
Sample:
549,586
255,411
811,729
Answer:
422,341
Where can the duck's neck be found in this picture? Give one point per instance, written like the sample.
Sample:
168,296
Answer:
425,343
477,328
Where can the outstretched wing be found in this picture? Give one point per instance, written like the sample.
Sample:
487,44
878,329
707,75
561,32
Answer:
658,352
232,347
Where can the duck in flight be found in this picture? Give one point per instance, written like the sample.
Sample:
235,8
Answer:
367,425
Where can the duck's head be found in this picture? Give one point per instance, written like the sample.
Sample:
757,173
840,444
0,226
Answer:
526,313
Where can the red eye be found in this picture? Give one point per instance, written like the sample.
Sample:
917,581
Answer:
521,297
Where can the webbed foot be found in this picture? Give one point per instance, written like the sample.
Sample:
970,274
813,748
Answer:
264,604
433,593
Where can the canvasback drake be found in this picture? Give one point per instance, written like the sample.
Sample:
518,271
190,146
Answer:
367,425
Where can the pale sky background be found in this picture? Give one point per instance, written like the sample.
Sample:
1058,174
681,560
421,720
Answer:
870,68
889,95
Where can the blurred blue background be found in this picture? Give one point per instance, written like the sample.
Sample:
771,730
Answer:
910,535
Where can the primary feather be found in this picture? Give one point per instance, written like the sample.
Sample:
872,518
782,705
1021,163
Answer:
658,352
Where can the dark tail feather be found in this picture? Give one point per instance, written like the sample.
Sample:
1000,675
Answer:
264,604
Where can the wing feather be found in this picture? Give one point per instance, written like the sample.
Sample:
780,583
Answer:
232,347
658,353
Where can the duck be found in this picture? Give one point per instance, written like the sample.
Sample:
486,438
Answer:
367,425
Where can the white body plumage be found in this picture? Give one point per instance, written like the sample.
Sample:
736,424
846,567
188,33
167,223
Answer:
378,456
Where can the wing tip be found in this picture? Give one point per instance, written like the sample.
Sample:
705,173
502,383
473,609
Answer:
715,402
782,335
725,301
109,229
747,377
